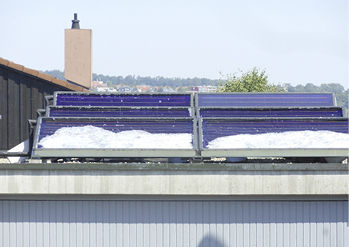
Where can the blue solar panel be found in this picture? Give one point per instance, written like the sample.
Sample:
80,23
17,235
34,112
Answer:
90,99
265,99
69,111
214,128
271,112
49,126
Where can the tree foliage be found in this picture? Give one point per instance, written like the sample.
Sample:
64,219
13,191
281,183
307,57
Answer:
250,81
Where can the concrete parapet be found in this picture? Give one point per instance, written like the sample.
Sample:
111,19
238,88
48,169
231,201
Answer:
109,179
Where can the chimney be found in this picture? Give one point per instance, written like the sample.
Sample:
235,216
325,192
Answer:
78,54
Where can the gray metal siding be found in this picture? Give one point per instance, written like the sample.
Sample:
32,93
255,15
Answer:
174,223
21,95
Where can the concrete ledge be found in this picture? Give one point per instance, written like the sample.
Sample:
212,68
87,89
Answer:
173,182
60,197
180,167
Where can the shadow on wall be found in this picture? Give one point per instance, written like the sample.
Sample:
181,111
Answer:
210,241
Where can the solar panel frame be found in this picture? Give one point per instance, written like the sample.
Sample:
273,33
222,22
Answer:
113,153
338,111
269,152
189,110
191,100
198,105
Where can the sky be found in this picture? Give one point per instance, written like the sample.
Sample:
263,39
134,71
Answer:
295,41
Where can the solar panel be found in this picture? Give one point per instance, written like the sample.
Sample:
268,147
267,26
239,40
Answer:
48,126
264,99
243,112
218,127
149,112
94,99
212,128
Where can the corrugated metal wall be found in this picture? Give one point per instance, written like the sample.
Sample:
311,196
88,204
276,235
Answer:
20,97
174,223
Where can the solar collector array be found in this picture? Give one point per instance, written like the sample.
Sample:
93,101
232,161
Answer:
218,115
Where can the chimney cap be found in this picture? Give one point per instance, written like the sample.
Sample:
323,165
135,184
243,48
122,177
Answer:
75,22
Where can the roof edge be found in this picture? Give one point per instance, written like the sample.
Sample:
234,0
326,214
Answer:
307,168
40,75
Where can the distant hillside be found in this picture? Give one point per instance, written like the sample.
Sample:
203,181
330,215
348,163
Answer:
132,80
55,73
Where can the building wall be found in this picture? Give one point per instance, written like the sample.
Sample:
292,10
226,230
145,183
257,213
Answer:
173,205
213,223
20,96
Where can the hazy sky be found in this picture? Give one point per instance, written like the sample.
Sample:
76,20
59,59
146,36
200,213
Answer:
295,41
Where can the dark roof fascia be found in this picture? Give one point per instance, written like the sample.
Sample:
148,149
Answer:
38,75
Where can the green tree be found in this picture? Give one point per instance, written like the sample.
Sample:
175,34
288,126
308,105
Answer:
251,81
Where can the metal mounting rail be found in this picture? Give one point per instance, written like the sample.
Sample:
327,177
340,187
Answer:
5,153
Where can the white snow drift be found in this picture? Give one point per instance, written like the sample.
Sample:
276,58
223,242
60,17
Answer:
290,139
94,137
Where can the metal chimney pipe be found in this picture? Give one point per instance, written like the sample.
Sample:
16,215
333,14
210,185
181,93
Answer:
75,22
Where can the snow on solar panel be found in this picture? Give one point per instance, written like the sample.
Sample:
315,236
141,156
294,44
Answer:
288,139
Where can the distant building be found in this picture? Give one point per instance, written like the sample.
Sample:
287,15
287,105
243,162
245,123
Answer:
125,89
96,84
168,90
143,88
204,89
106,90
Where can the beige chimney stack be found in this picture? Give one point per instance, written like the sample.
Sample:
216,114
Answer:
78,55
